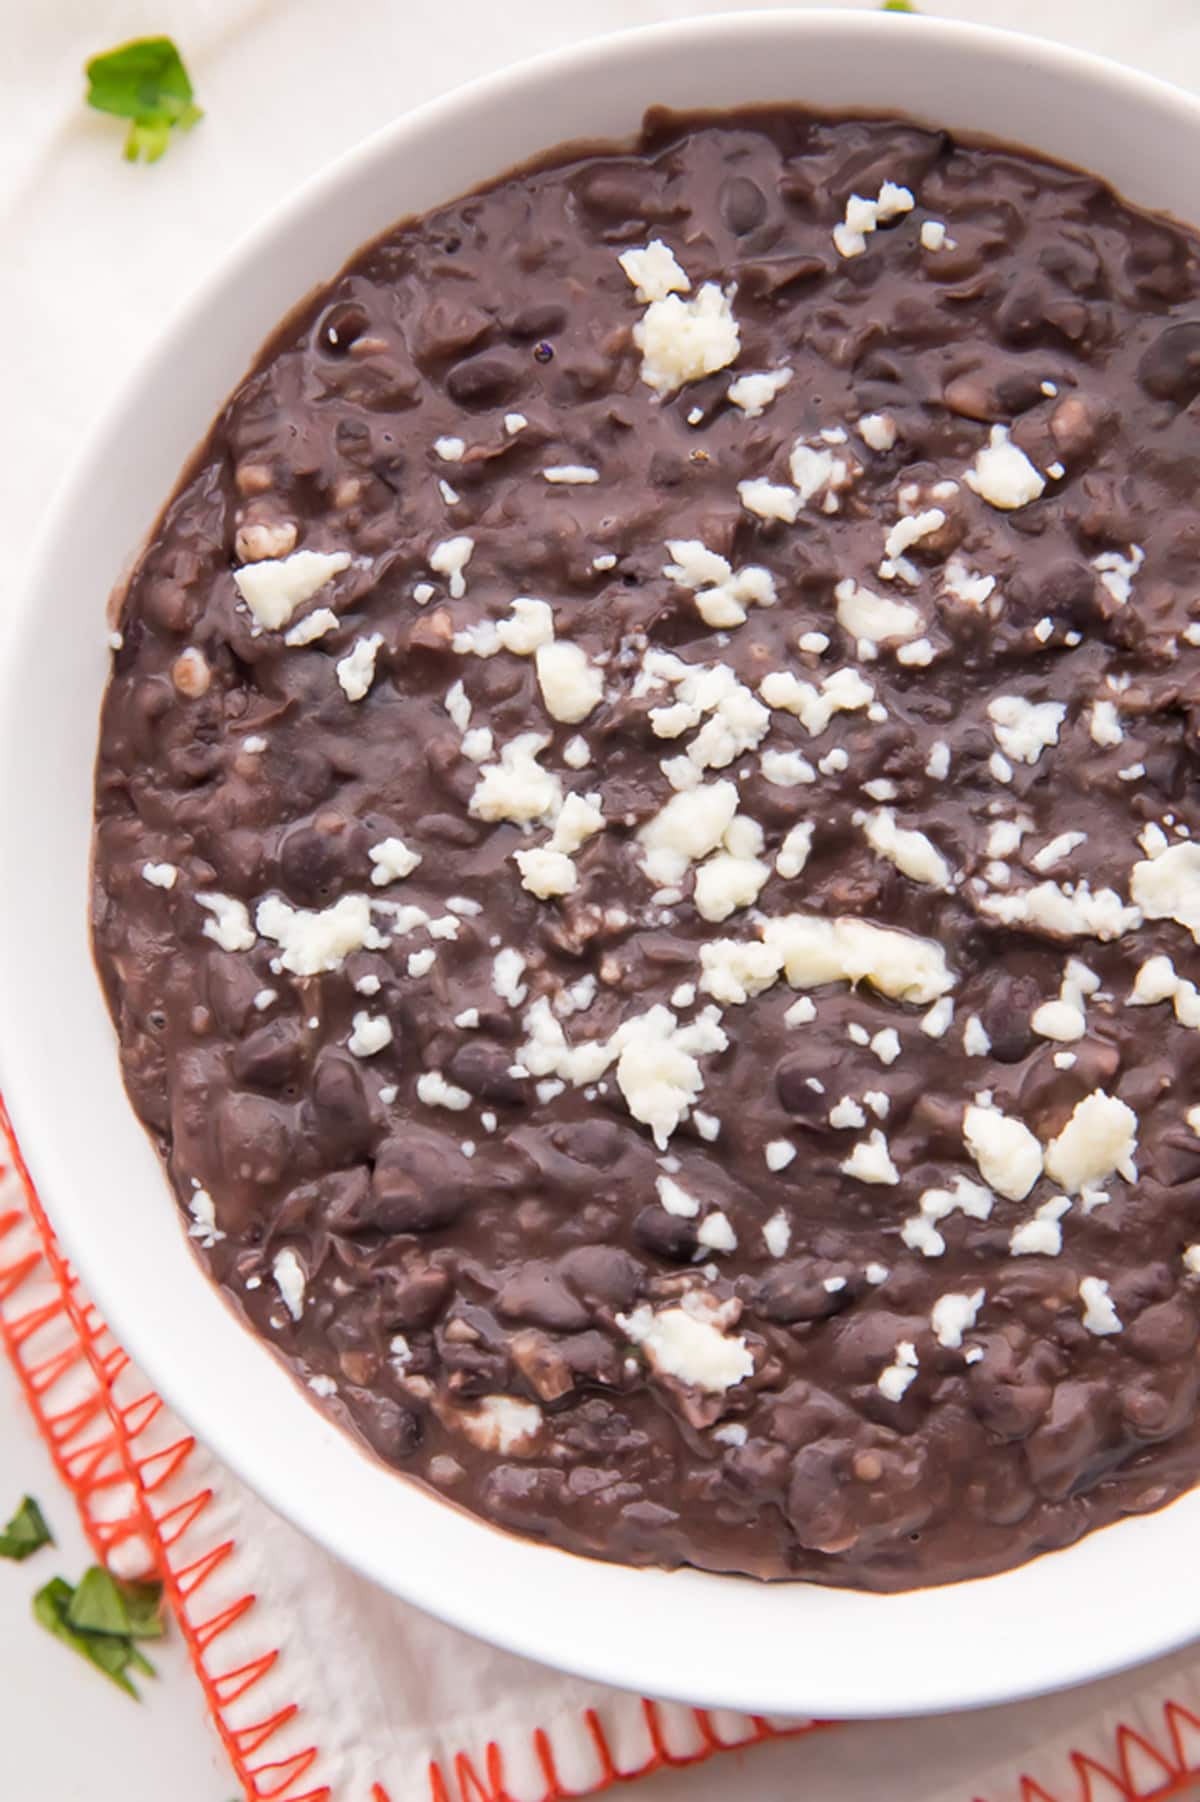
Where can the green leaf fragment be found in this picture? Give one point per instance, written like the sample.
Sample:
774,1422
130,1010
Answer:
144,81
97,1605
144,1606
100,1620
26,1532
896,6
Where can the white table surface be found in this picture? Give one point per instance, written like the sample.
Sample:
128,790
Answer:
65,1734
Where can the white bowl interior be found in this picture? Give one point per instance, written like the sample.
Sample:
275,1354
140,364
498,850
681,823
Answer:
1111,1600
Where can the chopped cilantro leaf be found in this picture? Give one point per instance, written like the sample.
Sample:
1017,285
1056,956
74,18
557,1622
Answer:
145,82
26,1532
100,1619
897,6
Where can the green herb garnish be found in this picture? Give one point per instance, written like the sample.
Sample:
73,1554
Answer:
101,1619
26,1532
143,81
896,6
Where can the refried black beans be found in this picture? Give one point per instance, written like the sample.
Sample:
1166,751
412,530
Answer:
648,851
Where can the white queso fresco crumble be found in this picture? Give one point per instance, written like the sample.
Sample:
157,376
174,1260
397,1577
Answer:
711,785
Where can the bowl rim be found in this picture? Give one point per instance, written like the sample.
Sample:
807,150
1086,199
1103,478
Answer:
1074,1660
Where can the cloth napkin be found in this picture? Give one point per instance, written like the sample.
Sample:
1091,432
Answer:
323,1688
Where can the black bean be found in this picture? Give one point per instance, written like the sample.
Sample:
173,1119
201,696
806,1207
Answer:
1169,368
668,1236
743,204
487,380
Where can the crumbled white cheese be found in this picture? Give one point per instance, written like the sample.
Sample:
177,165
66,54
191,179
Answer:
863,216
229,925
722,596
769,500
313,942
1065,1020
843,691
821,474
499,1424
777,1234
917,654
571,685
314,625
1008,1155
846,1115
654,271
682,1342
274,587
1157,981
356,670
685,340
508,966
937,764
1072,911
1002,474
371,1033
816,950
658,1070
794,852
1024,729
1041,1236
873,617
754,393
920,1231
716,1233
290,1280
734,970
393,861
435,1091
1099,1313
802,1012
529,627
546,873
933,235
576,474
870,1161
965,585
895,1379
517,788
878,430
160,875
778,1154
914,855
938,1021
203,1210
1166,886
908,530
450,559
675,1199
953,1315
733,877
1098,1141
1117,572
686,828
1104,724
1057,849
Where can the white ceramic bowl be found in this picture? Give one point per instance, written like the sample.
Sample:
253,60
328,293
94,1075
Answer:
1107,1602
